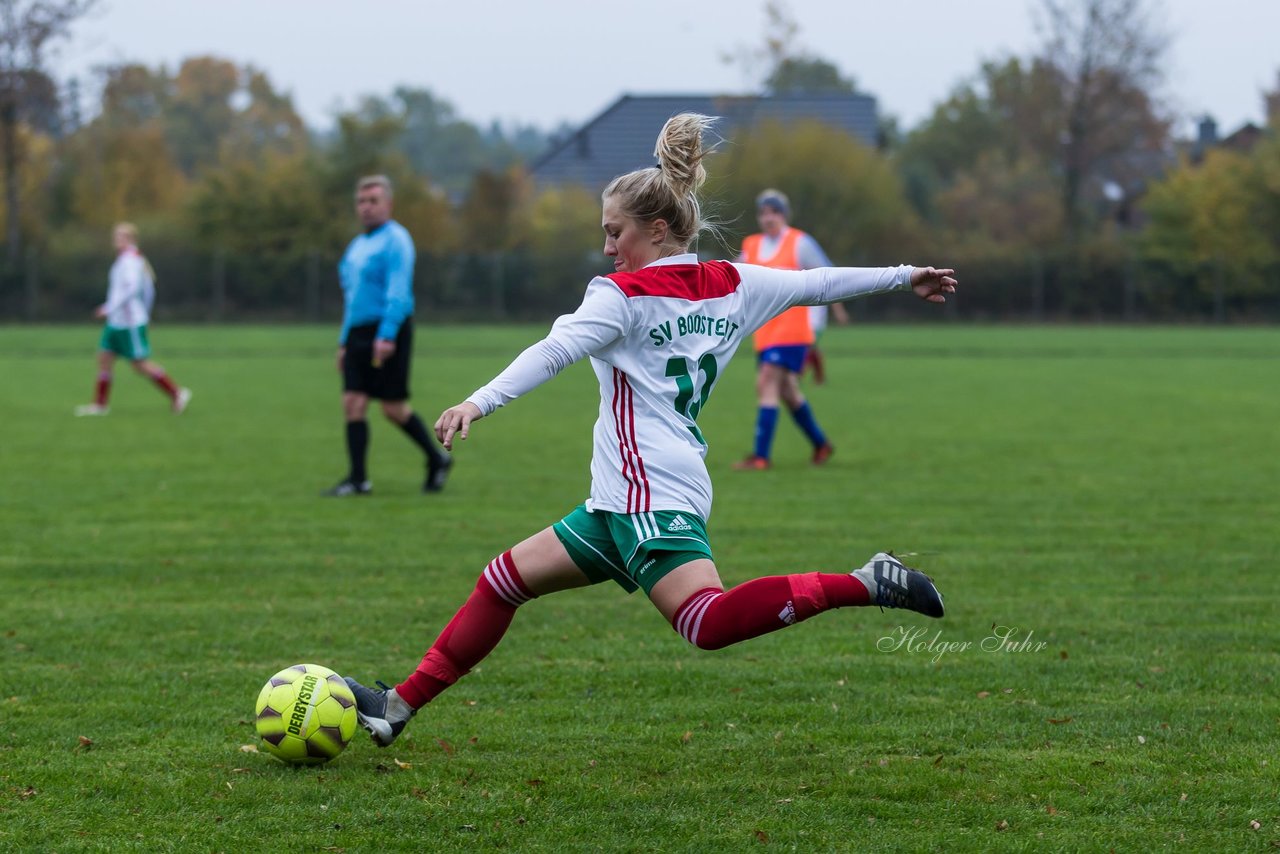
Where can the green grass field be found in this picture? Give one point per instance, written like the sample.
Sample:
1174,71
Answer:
1111,496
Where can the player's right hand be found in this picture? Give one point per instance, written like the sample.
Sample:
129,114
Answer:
342,355
456,420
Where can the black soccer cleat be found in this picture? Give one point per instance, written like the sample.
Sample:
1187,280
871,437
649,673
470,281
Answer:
382,723
437,474
347,488
892,584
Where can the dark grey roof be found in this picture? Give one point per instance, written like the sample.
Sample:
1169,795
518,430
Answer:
621,138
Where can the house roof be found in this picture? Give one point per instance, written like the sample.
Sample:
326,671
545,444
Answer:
621,138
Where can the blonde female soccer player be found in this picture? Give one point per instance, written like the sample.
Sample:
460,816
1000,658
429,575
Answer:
659,332
126,313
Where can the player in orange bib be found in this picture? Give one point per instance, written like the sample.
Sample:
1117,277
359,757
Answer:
783,343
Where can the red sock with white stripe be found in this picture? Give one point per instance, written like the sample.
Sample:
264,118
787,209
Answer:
472,633
714,618
167,385
102,390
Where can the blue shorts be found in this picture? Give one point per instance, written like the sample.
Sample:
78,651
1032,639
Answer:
790,357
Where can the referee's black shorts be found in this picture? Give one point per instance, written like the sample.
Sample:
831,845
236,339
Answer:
388,381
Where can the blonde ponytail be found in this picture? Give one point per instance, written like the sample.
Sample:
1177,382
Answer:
670,191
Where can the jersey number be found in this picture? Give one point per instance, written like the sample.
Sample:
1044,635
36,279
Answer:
686,385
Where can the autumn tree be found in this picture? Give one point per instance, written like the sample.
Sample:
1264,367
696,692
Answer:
1215,223
28,31
782,65
1106,55
843,192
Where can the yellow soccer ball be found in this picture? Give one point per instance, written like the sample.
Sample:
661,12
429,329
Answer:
306,714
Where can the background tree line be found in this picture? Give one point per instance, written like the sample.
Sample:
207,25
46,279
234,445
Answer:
1053,180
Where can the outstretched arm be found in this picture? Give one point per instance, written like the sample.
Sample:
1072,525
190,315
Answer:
600,320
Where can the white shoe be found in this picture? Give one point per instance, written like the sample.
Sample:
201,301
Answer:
91,409
180,402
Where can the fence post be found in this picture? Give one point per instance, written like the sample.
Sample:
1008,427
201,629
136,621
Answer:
499,295
219,301
32,282
1219,295
313,284
1130,286
1037,287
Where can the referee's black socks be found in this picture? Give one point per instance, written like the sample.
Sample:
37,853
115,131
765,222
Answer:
417,431
357,449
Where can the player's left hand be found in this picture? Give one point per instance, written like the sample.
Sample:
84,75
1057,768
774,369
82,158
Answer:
456,420
383,349
100,311
932,284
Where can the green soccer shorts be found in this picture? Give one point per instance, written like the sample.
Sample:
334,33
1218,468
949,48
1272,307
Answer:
636,550
129,343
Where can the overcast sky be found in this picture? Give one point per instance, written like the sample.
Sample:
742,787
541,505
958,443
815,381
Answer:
543,63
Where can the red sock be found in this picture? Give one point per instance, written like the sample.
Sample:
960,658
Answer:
161,379
714,619
103,389
472,633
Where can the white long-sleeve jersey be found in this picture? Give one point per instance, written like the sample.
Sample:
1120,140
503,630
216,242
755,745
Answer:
659,339
130,291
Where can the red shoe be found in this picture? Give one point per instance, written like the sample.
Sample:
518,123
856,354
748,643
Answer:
751,463
822,453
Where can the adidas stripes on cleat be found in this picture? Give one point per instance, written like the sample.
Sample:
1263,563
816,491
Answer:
892,584
381,712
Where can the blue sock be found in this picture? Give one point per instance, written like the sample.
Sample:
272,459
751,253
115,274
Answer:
766,421
805,420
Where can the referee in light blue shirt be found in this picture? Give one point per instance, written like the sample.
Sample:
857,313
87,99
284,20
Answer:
375,347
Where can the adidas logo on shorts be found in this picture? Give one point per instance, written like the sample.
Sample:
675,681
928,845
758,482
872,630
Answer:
679,524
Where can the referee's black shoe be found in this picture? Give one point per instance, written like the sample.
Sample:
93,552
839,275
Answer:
348,488
437,474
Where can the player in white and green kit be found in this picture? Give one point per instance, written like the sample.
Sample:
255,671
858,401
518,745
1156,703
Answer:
127,311
659,333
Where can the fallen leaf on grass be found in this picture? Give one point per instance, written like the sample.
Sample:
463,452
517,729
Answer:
85,741
533,782
28,792
982,695
684,739
937,761
1183,798
248,748
403,766
445,746
1051,810
1065,720
762,837
1142,739
1063,655
1254,825
1002,825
